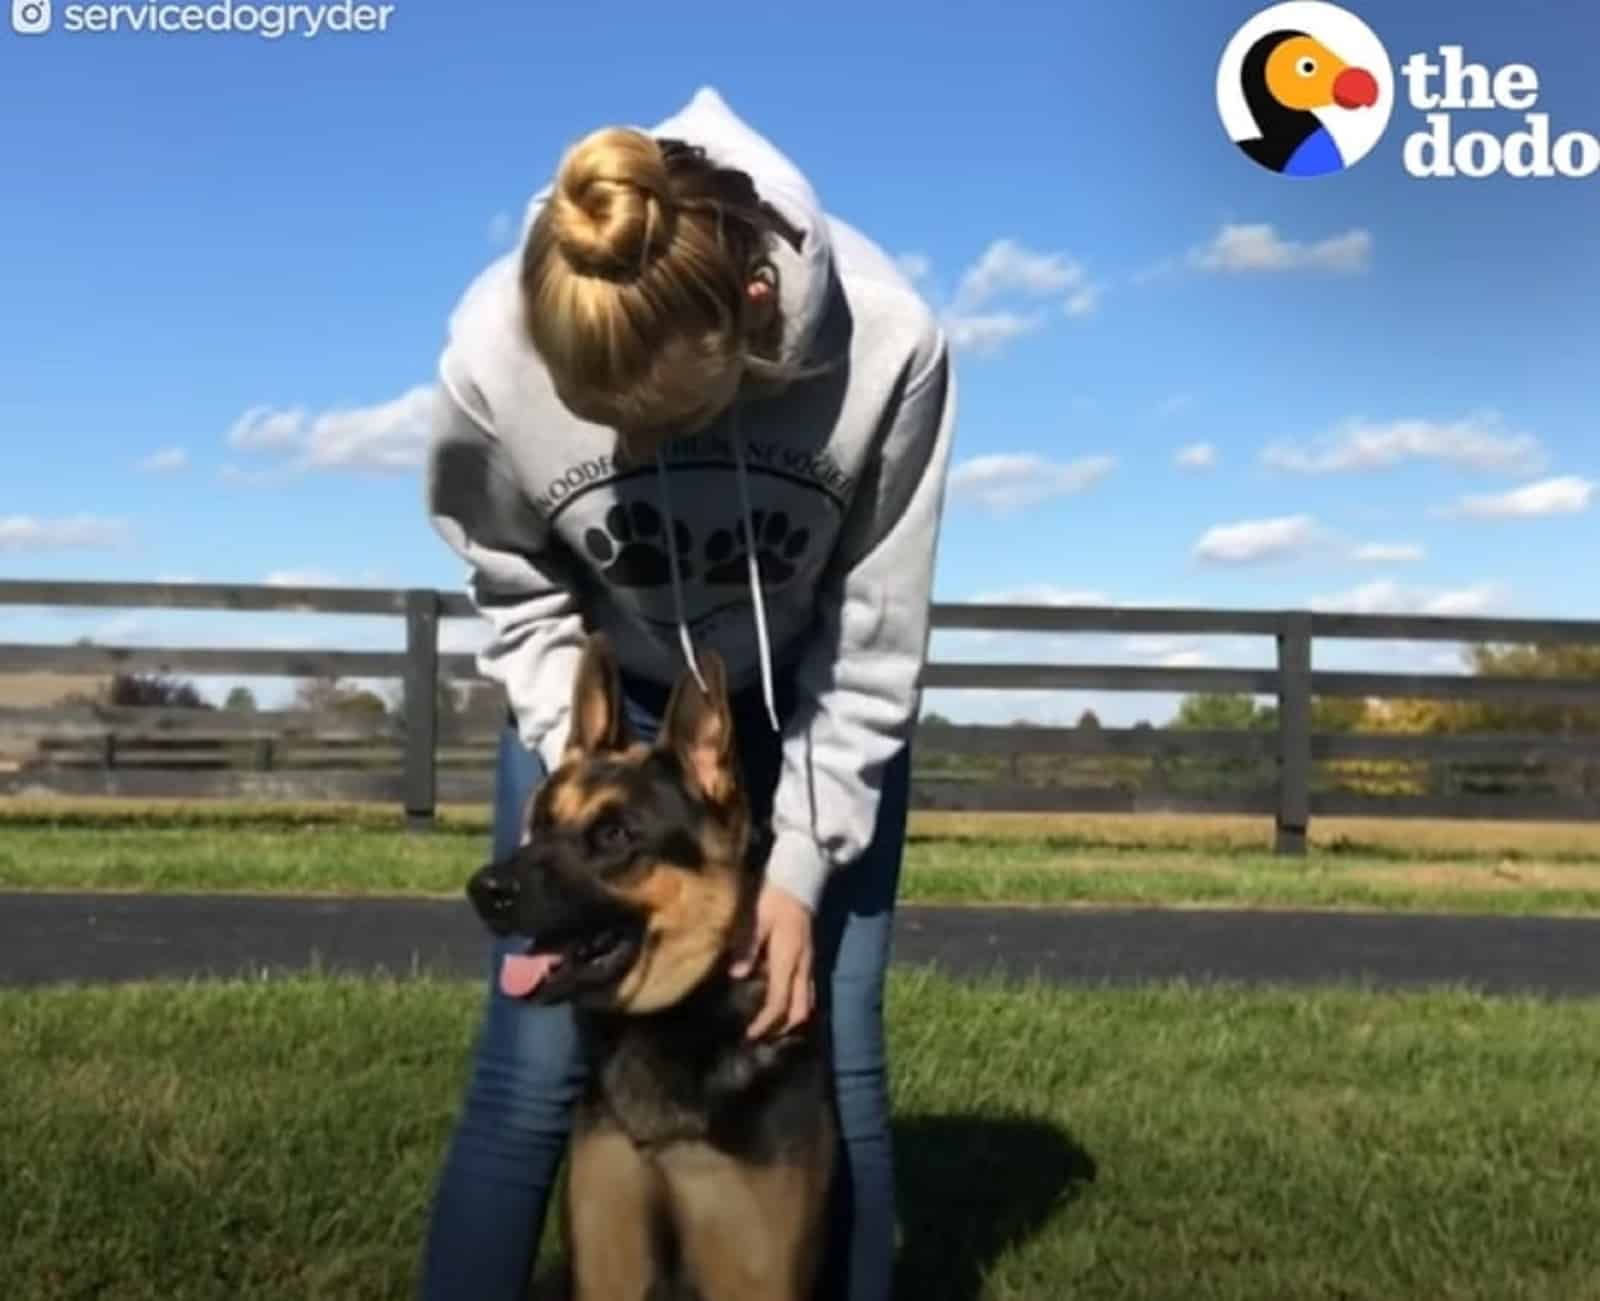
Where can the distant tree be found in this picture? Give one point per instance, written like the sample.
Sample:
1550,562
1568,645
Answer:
934,719
1579,662
1337,713
330,695
1414,716
241,700
449,701
480,708
1089,721
1222,711
359,700
153,690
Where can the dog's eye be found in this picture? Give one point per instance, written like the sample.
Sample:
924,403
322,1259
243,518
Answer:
611,836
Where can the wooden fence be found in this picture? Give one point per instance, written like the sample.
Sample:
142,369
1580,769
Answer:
422,771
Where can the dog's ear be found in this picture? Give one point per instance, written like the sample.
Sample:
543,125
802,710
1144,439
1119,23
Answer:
596,702
698,729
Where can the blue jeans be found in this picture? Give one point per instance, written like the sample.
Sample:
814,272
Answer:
492,1196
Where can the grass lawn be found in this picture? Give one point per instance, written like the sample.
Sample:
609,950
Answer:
1058,859
279,1139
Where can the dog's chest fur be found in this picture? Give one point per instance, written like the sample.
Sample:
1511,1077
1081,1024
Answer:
690,1074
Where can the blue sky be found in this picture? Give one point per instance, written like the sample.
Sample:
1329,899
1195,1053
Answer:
1185,380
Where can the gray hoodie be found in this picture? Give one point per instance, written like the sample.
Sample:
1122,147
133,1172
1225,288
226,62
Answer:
839,480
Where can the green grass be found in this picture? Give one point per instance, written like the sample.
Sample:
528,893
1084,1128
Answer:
1062,861
279,1139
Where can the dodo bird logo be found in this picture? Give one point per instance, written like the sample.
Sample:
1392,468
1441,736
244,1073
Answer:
1305,88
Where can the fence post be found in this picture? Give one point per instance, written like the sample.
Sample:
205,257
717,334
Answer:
1294,732
421,706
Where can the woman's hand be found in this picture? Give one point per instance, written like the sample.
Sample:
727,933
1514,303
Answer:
783,931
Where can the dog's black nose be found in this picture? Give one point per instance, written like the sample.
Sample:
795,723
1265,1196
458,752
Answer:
493,895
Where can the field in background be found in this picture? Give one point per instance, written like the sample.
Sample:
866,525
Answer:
1406,836
1064,859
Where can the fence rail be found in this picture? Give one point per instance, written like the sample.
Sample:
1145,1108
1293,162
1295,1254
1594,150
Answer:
183,753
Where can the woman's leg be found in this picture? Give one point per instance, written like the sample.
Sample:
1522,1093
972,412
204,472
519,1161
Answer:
854,924
854,921
489,1208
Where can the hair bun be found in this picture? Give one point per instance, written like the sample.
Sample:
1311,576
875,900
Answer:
612,210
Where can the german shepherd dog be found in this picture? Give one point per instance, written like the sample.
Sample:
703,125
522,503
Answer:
701,1159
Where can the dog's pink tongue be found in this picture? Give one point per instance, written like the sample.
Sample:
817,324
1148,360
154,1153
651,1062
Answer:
522,973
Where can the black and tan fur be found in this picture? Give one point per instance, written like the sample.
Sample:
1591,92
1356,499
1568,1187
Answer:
700,1159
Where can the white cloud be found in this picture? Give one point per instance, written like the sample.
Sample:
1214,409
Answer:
1174,404
1385,596
71,533
1025,645
1478,442
1480,599
261,429
389,436
122,629
166,460
1042,594
1006,267
1010,481
1254,541
303,578
1155,645
1168,651
502,229
985,313
987,336
1186,659
1568,495
1388,553
1257,247
1083,302
1196,456
914,266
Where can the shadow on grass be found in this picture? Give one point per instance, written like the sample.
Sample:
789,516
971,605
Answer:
970,1189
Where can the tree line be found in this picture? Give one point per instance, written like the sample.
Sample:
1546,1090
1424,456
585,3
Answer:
1235,712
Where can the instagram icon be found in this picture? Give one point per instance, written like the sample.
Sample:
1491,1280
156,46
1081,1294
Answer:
30,17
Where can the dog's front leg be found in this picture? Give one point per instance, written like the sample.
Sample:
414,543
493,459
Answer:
748,1231
615,1210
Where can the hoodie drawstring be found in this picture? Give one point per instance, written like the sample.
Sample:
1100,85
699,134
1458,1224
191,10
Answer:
684,640
753,565
757,599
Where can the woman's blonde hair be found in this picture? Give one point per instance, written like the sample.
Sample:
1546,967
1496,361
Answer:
635,284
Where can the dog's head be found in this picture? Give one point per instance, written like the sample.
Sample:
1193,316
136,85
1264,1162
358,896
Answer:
632,874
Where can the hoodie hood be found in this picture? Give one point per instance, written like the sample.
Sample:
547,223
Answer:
806,275
806,280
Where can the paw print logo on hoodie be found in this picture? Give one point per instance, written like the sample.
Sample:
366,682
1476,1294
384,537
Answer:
1305,89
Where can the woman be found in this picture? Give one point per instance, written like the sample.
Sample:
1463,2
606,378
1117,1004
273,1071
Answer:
694,410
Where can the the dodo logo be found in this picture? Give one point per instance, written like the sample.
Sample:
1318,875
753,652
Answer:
1305,88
